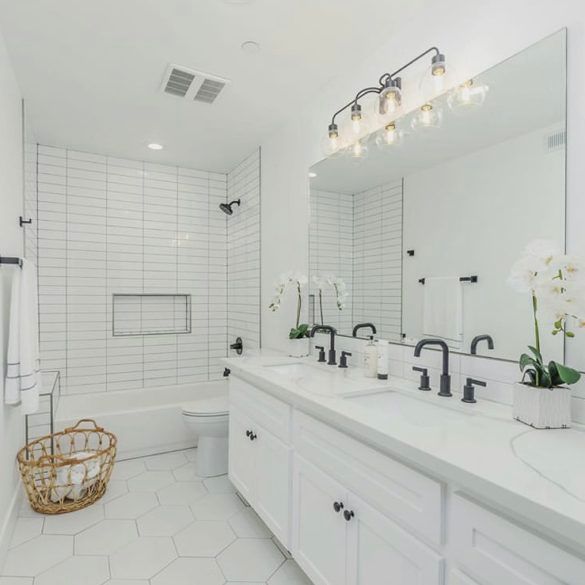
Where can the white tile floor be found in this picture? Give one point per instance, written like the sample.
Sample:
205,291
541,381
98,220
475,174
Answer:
158,524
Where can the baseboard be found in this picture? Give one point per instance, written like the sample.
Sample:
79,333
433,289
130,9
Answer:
9,523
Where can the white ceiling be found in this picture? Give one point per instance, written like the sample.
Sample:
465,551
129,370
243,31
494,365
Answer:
520,100
91,71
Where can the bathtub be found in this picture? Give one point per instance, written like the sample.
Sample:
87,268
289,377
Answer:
146,421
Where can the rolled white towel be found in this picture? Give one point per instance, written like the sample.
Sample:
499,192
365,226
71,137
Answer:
73,480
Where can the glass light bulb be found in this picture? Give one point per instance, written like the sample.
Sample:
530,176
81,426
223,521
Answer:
358,150
467,96
389,136
428,116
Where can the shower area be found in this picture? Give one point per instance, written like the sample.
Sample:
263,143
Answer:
147,275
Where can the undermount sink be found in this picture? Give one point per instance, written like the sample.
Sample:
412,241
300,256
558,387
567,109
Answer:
416,411
327,380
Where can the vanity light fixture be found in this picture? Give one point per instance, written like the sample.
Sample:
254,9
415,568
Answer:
358,150
389,90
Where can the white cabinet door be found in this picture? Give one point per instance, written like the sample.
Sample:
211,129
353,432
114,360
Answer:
242,464
379,551
319,532
273,483
495,551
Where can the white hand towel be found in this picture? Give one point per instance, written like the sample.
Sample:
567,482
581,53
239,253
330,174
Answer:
23,378
443,309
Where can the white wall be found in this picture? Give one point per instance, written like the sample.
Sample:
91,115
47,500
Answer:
474,35
11,244
474,215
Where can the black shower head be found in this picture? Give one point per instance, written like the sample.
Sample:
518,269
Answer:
227,207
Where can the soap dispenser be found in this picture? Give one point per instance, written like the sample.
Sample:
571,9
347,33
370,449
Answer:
371,359
383,359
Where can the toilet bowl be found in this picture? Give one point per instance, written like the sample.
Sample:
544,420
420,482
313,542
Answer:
207,419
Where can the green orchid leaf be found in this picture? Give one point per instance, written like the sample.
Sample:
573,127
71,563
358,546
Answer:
536,353
555,377
568,375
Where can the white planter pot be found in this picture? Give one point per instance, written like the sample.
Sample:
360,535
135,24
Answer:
298,347
542,408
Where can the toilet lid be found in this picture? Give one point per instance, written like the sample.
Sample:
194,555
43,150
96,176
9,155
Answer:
211,406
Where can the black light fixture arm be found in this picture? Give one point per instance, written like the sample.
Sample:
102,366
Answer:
411,62
358,95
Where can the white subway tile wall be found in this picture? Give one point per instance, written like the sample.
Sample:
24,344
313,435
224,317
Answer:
30,202
359,237
243,275
377,258
108,226
331,253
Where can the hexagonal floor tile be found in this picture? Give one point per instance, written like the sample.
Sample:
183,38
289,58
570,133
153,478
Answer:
247,524
116,488
166,461
131,505
74,522
125,582
289,573
37,555
249,559
204,539
89,570
126,469
191,454
150,481
106,537
187,472
182,493
165,521
25,529
219,485
143,558
217,507
189,571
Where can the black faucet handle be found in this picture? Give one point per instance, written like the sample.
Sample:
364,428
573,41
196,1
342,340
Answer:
469,390
424,378
321,352
343,359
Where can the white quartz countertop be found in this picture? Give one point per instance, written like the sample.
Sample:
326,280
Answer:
537,476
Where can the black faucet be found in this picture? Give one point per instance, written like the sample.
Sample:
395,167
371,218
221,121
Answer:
445,389
479,338
332,361
364,326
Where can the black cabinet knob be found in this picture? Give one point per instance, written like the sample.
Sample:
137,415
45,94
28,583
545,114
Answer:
348,514
248,433
338,506
253,436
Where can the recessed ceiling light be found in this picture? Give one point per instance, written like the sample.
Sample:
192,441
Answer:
155,146
312,175
250,47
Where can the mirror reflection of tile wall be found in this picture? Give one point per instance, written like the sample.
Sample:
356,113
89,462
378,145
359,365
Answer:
464,199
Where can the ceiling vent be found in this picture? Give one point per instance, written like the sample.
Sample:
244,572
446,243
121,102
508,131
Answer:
556,140
193,85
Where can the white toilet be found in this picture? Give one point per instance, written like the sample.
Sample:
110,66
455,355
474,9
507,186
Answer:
207,418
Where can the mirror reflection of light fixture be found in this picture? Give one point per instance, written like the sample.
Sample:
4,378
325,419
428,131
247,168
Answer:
428,116
467,96
389,136
358,151
389,90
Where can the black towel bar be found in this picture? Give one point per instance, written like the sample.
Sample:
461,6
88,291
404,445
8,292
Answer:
461,279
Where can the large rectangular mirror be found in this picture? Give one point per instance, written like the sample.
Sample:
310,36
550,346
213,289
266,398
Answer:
424,230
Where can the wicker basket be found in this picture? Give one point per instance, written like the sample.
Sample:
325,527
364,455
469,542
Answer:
68,471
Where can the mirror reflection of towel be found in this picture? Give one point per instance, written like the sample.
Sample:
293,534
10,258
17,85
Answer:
443,309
